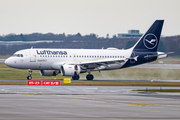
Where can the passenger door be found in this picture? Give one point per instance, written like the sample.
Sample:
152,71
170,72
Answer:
32,56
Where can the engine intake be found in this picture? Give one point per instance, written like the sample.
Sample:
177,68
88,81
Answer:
70,70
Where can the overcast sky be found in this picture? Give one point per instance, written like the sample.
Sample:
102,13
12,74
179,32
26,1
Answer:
87,16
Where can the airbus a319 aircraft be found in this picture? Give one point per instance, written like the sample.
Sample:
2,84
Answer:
72,62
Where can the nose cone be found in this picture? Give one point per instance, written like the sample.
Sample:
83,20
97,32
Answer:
13,62
8,62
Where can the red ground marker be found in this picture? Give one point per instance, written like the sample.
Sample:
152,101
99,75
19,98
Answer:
51,83
34,82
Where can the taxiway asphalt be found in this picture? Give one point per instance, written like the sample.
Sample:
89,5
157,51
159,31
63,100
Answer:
87,103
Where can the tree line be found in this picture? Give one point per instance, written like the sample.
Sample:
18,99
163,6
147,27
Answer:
47,36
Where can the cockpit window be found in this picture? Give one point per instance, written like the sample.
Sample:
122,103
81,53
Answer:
17,55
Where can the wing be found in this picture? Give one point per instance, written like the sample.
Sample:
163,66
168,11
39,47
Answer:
98,63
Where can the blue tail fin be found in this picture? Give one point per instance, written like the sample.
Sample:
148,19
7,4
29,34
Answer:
150,40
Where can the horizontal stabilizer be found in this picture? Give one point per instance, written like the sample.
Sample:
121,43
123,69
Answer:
161,54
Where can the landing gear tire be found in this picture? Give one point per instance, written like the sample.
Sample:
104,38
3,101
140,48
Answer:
75,77
29,77
30,72
89,77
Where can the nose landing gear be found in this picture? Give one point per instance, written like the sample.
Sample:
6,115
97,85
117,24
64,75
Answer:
30,72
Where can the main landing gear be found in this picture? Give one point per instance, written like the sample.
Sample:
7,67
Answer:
75,77
89,76
30,72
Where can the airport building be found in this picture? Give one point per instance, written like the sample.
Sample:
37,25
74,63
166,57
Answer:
130,34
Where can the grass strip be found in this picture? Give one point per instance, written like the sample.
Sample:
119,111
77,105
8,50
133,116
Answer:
158,90
4,57
12,83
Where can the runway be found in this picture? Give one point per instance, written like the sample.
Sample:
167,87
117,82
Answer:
2,60
86,102
158,66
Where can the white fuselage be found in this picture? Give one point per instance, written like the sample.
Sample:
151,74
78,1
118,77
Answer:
52,59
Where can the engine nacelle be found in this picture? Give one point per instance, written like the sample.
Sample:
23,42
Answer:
49,72
70,70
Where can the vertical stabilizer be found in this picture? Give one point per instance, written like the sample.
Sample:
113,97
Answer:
150,40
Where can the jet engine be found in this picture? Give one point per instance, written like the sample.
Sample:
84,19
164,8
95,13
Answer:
70,70
49,72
